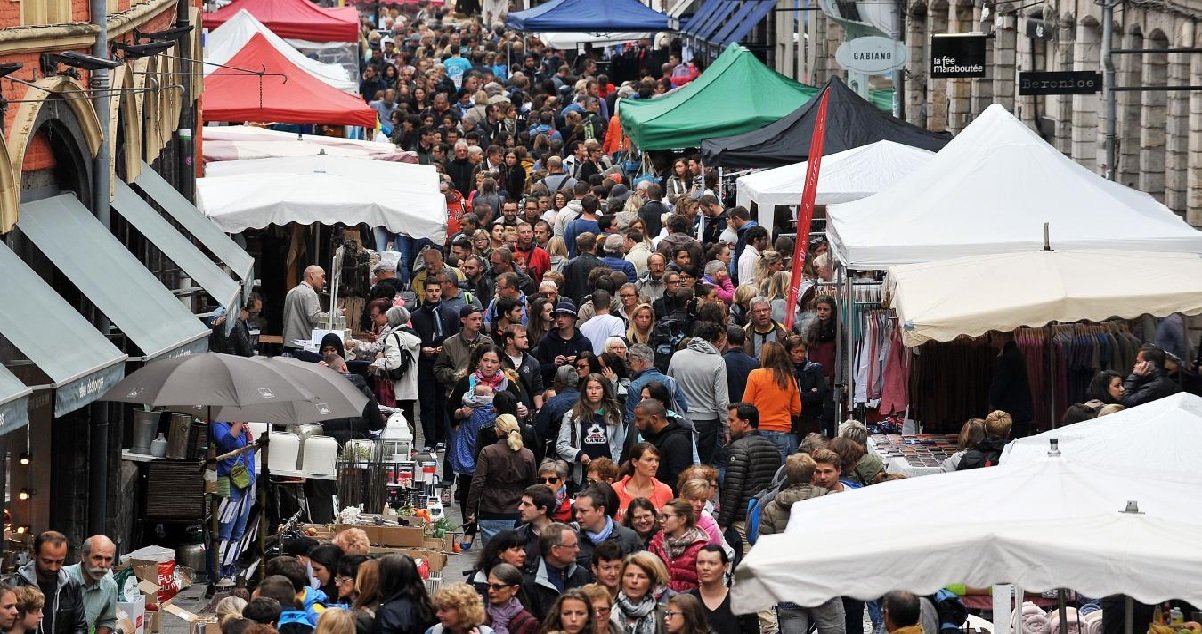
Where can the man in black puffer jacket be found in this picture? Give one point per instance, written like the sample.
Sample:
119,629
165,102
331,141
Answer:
1147,381
752,462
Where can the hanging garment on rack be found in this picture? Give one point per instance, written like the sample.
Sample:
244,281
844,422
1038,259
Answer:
894,398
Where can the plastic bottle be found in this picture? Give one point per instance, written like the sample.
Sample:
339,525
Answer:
1176,617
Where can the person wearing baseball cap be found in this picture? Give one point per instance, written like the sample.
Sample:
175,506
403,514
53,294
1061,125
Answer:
563,343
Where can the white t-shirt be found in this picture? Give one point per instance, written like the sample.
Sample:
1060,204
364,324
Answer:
600,328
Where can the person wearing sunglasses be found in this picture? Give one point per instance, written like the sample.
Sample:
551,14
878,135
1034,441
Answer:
553,474
504,610
556,571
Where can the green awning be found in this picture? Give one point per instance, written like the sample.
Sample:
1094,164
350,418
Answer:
175,246
201,228
736,94
14,402
112,278
52,334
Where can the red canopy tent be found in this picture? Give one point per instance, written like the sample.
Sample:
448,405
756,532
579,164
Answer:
297,97
296,19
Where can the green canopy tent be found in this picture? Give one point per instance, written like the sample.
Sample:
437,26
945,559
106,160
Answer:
736,94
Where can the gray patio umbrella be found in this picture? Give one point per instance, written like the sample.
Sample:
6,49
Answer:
202,381
333,396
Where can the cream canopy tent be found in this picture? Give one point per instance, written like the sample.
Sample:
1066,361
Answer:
941,300
990,190
845,176
224,42
241,142
239,195
1158,437
1053,523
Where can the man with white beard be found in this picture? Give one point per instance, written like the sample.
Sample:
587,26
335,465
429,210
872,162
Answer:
93,572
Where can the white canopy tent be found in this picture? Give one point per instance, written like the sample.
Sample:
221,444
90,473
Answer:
572,41
941,300
224,42
1158,437
990,190
845,176
239,195
1053,523
241,142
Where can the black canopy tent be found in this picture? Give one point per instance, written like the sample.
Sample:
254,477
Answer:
851,122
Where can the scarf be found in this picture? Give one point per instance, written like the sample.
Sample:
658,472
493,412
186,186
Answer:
500,615
635,618
497,382
677,545
597,538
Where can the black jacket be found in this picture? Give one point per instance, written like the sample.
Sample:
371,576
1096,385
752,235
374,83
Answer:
575,274
1145,389
550,417
749,469
675,445
811,382
433,324
553,345
1009,390
652,215
64,612
626,539
985,454
542,594
739,364
399,615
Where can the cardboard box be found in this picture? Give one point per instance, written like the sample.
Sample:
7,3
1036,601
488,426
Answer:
131,615
400,536
437,559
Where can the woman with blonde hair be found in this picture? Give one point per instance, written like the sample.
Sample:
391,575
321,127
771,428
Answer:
335,621
558,250
637,608
770,262
642,320
227,609
30,604
740,310
482,243
503,470
460,610
353,541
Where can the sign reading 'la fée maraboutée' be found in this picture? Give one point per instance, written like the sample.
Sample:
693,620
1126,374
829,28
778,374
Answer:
955,55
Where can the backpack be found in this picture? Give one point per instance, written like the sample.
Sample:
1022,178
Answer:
396,374
950,610
757,503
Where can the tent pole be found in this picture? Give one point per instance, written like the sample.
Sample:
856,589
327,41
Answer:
1128,614
1062,607
848,309
1050,362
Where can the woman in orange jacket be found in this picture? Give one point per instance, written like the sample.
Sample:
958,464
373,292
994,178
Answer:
773,390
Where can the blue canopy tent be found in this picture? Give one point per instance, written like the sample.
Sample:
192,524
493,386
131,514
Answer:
591,16
723,22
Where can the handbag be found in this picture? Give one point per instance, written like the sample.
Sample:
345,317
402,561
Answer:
240,476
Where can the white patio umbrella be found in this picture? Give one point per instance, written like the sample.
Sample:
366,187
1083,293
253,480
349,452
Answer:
1049,524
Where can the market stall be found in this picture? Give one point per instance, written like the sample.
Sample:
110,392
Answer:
850,122
1160,437
1049,524
570,16
912,455
224,42
324,189
331,34
240,142
283,93
845,176
735,94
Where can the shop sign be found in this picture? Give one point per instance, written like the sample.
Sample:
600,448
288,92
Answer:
1070,82
958,55
871,55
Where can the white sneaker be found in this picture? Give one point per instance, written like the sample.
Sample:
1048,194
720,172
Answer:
226,582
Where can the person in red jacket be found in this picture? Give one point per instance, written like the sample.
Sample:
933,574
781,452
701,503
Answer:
678,543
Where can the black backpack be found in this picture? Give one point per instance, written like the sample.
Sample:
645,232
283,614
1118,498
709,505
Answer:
396,374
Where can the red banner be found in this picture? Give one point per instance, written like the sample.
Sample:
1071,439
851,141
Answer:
805,214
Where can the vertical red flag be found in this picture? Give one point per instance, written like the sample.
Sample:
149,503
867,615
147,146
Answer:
805,213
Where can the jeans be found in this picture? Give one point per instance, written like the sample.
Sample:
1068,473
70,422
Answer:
784,441
853,615
794,619
232,516
707,439
489,528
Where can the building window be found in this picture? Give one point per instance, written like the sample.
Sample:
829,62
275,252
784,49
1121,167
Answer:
35,12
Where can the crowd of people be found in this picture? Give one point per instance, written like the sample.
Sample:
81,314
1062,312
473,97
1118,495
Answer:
601,357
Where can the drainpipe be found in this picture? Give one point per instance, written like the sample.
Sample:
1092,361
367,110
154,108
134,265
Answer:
186,129
98,444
